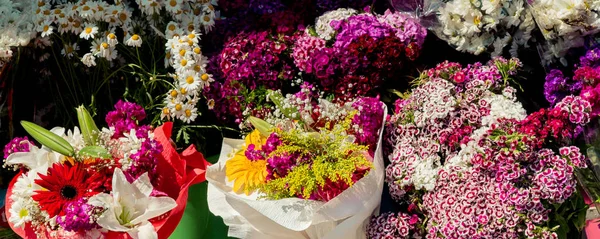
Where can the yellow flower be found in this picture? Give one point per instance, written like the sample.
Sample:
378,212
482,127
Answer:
245,173
255,138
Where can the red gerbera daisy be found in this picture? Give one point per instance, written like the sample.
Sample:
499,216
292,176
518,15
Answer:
65,183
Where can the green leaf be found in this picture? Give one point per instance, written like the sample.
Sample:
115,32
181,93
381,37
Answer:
95,152
48,139
262,126
89,130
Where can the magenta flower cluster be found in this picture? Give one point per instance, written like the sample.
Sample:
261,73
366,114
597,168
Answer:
367,49
367,121
78,216
126,117
248,65
17,144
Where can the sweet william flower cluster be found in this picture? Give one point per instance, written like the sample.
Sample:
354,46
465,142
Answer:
501,181
441,121
365,50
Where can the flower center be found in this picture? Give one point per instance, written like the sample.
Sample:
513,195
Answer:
68,192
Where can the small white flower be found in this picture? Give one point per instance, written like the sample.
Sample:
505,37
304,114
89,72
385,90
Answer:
19,213
89,60
69,50
46,28
130,206
135,40
88,32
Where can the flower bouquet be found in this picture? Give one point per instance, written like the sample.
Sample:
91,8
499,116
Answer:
125,181
467,162
475,26
314,171
351,54
564,24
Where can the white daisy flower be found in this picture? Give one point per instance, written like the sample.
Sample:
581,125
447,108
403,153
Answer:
19,213
88,32
135,40
46,28
69,50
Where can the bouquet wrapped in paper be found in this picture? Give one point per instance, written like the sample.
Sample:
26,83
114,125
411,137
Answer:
311,169
125,181
475,26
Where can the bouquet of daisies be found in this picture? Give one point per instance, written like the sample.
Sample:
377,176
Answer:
125,181
311,169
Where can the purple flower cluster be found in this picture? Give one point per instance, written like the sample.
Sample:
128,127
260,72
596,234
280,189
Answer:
557,86
125,117
392,226
585,82
17,144
77,216
367,122
355,26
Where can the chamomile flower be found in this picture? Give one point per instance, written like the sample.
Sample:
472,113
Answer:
189,81
111,39
89,60
173,6
69,50
46,28
189,113
210,103
88,32
208,22
135,40
86,10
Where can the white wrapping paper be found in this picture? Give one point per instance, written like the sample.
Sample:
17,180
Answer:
344,217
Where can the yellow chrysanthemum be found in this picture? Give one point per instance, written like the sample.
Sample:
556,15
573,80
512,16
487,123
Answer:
247,174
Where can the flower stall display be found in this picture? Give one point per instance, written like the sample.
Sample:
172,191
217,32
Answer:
468,162
313,169
125,181
348,53
475,26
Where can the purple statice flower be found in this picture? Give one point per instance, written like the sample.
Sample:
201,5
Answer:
406,28
557,86
17,144
125,117
77,216
356,26
367,122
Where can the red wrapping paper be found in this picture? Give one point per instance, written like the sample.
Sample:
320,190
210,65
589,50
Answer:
177,172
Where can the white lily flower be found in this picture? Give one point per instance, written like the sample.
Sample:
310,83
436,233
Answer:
130,206
36,159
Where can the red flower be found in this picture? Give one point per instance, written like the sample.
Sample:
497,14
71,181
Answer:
65,183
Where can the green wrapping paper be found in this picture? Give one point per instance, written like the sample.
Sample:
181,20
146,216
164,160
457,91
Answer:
197,221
